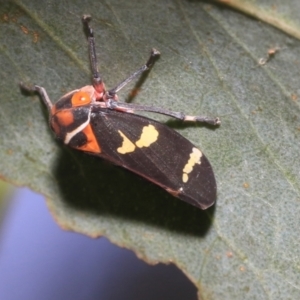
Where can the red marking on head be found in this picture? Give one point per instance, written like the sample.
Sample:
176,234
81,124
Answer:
95,94
99,89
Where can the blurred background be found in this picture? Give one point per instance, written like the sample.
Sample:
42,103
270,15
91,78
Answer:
38,260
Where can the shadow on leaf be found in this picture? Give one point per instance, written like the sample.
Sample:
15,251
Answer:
92,185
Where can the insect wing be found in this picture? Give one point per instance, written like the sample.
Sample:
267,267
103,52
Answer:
157,153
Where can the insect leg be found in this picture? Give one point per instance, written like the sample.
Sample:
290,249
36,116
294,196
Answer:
132,108
41,91
154,54
97,81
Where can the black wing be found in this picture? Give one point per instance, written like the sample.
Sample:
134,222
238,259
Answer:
157,153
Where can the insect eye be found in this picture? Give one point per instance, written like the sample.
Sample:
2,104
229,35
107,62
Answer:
80,98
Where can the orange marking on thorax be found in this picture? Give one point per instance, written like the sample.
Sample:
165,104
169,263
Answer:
65,117
92,144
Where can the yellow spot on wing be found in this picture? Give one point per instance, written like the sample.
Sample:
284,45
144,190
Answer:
195,158
127,145
185,177
149,136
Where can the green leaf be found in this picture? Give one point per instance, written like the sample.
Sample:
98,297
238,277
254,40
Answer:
282,15
247,245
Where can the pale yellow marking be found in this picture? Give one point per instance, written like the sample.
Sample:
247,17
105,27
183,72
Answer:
185,177
195,158
69,135
149,136
127,145
190,118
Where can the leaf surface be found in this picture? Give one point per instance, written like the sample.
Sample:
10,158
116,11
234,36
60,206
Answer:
247,245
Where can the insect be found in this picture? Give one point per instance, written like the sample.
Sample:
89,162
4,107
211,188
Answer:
91,119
